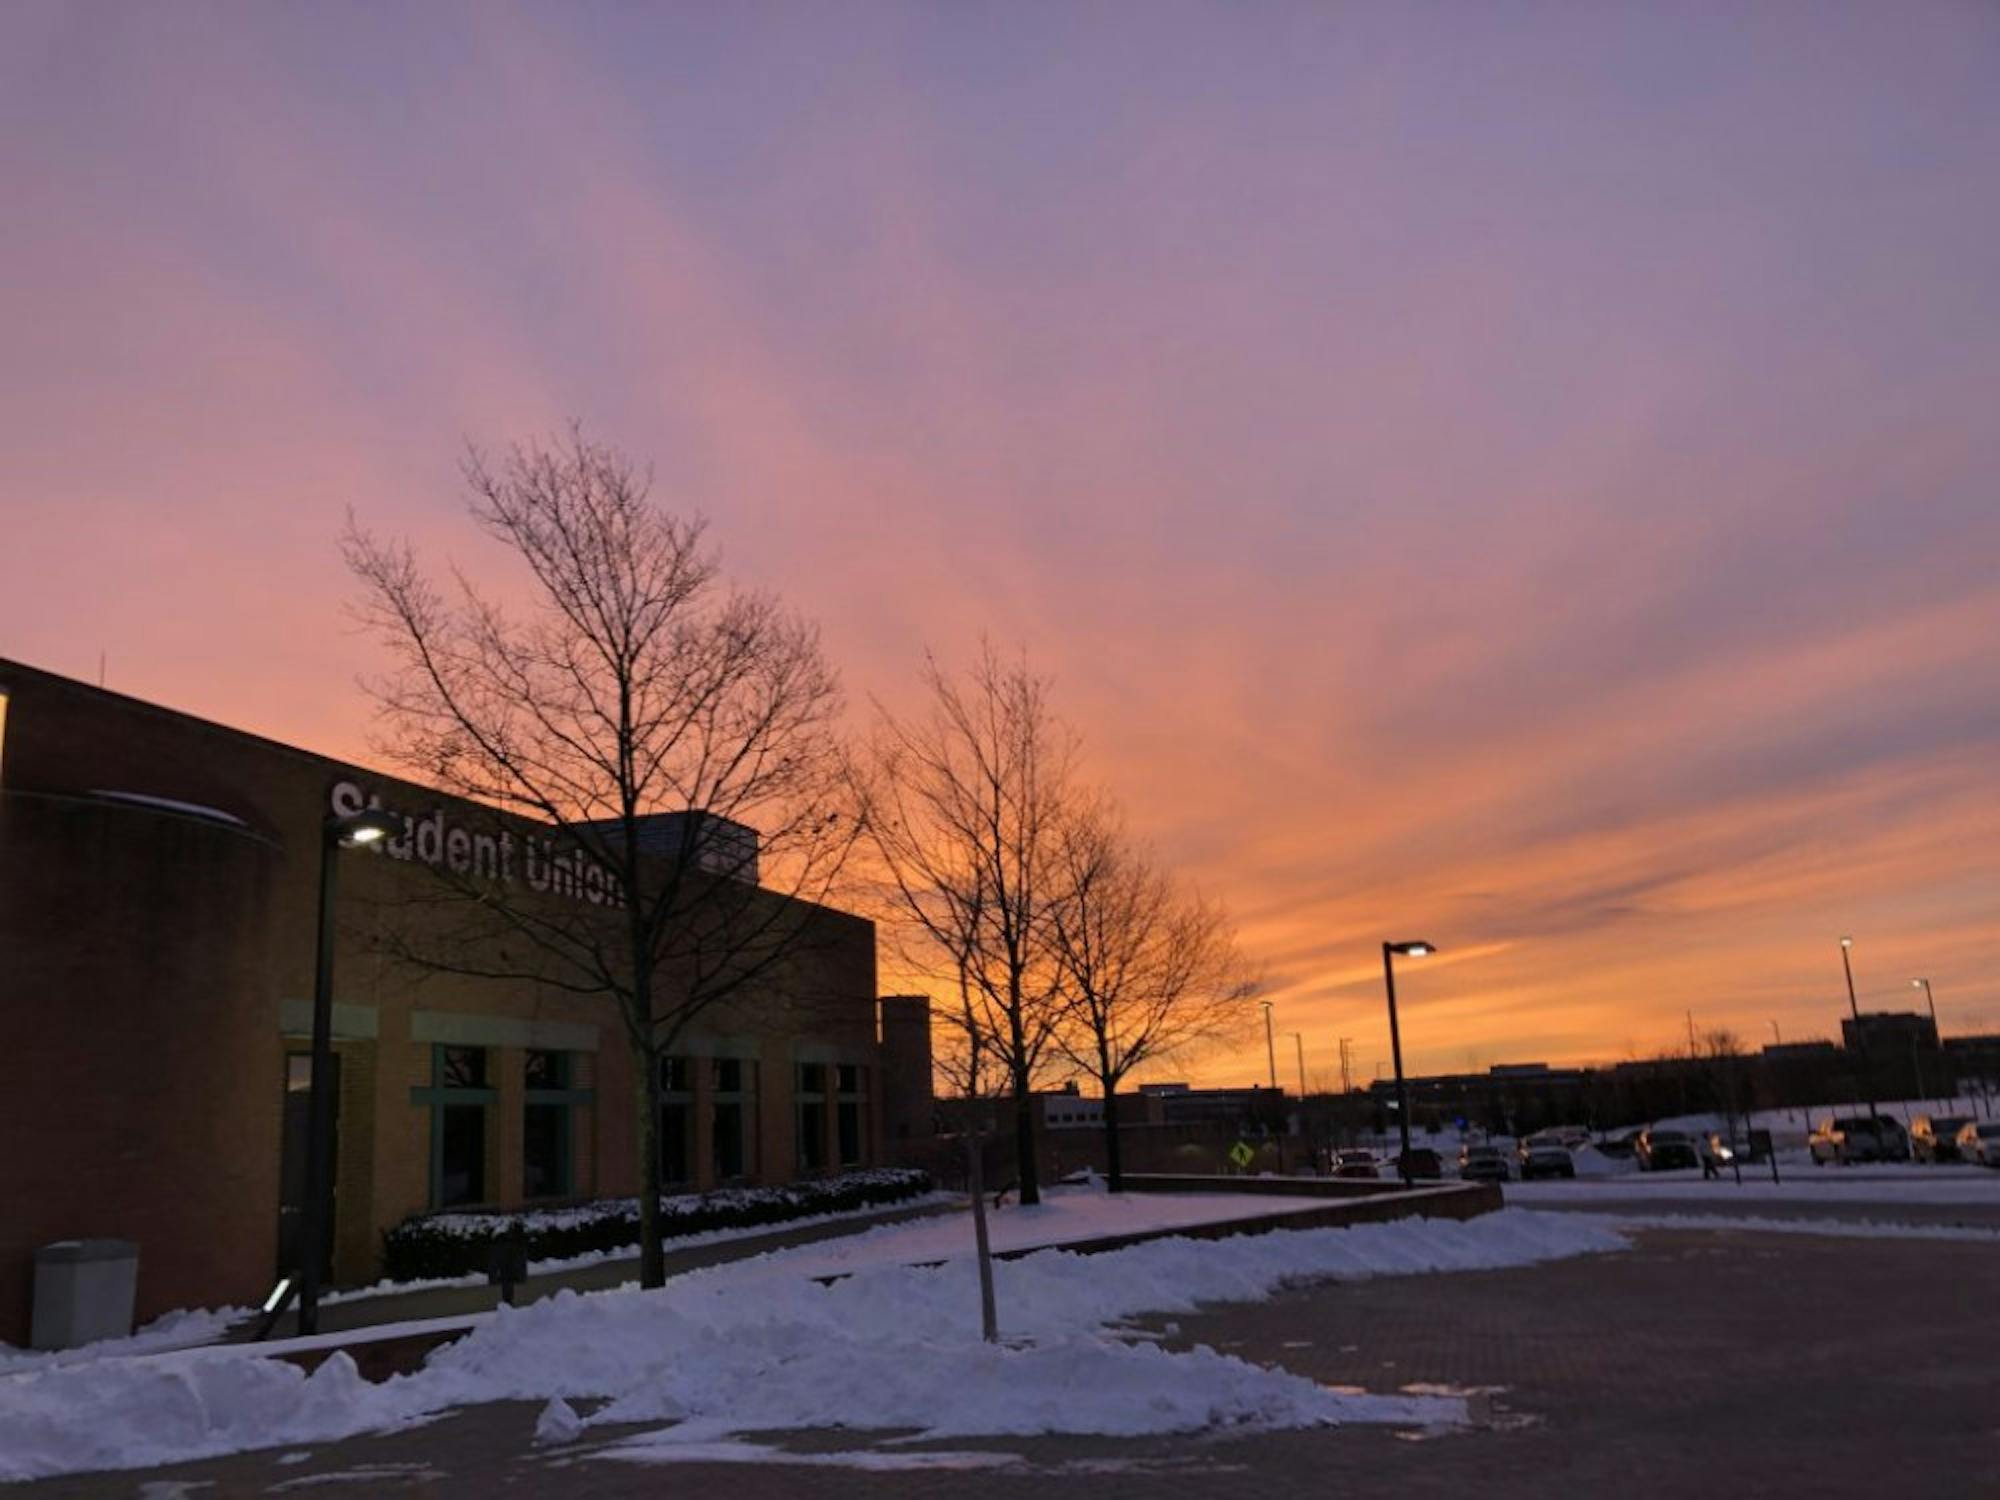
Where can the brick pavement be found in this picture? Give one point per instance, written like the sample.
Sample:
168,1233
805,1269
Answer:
1701,1363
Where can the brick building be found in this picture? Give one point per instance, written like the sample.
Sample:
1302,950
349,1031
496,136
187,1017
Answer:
159,888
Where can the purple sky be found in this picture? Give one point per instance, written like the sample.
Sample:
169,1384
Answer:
1521,476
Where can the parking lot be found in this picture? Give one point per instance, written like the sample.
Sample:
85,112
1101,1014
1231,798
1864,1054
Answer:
1701,1361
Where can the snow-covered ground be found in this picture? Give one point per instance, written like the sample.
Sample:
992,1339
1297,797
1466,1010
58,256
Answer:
184,1329
1888,1183
760,1345
673,1243
1628,1217
1063,1217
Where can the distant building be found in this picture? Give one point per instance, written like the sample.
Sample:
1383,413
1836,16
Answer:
1891,1033
1256,1107
1068,1109
1801,1051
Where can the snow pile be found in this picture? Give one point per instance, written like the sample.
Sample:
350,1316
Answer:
1590,1162
176,1330
130,1413
738,1348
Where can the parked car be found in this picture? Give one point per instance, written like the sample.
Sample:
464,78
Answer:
1421,1164
1483,1164
1980,1142
1846,1139
1356,1164
1935,1137
1666,1150
1619,1144
1543,1157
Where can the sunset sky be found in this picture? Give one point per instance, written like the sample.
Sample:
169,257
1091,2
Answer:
1525,477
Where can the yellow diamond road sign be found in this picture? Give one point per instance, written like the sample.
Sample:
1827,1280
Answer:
1241,1154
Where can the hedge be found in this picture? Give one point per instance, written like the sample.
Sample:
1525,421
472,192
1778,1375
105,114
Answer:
457,1244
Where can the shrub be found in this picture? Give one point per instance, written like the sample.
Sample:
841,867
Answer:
455,1244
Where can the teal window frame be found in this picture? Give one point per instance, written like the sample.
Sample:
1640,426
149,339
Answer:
743,1098
569,1099
436,1098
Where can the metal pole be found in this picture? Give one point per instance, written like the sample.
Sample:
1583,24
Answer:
1300,1038
1396,1051
319,1118
1270,1045
1860,1037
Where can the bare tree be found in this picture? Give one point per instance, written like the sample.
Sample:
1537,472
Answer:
968,1065
1720,1054
1149,969
632,683
965,811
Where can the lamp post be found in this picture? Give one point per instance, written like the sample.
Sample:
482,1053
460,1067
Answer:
1299,1039
367,826
1860,1037
1389,952
1929,1000
1270,1046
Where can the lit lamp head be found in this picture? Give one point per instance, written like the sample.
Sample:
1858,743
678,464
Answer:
1413,950
369,826
1847,942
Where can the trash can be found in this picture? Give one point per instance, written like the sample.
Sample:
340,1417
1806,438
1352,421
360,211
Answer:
84,1290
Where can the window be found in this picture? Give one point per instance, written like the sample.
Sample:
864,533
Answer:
850,1112
459,1100
733,1116
676,1121
548,1134
812,1116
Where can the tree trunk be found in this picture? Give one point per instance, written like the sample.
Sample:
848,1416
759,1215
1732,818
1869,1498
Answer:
1027,1169
652,1256
1114,1169
989,1320
1027,1173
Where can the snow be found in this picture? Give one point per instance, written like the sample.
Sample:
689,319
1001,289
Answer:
673,1242
483,1226
1590,1162
1887,1184
760,1345
1864,1229
175,1330
170,804
1065,1216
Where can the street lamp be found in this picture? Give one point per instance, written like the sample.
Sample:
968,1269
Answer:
1929,1000
1389,952
368,826
1270,1046
1860,1037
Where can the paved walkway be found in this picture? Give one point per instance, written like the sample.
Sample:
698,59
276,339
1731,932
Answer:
1700,1363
